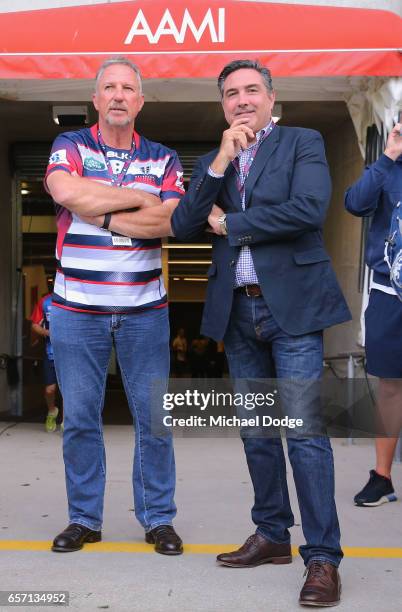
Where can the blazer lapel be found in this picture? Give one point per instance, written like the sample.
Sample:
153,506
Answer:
230,187
264,152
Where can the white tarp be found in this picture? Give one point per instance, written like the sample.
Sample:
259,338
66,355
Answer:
374,100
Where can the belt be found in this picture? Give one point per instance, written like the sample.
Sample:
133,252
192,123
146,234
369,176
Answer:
250,290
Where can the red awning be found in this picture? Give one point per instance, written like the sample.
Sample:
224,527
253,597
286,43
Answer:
194,40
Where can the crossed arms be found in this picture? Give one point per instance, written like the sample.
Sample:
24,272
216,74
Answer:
91,201
304,211
136,213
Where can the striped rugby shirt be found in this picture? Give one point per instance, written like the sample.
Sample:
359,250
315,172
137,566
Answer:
96,274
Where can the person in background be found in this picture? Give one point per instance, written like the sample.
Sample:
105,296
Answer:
179,347
40,320
374,195
199,360
219,359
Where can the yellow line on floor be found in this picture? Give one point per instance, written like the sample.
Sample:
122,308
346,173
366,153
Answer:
362,552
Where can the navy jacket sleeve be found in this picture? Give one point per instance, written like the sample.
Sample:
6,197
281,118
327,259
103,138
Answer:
190,217
305,209
363,197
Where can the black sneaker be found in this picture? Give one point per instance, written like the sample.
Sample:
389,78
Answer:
378,490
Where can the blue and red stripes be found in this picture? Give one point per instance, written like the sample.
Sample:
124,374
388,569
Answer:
98,273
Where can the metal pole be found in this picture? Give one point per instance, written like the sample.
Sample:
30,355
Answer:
350,376
15,394
398,451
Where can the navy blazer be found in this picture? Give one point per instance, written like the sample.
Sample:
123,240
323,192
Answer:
287,196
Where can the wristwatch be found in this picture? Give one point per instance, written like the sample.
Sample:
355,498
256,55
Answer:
222,223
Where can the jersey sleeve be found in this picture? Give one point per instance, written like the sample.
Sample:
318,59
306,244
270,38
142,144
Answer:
37,315
172,184
64,156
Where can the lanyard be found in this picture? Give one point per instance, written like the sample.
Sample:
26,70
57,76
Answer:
116,180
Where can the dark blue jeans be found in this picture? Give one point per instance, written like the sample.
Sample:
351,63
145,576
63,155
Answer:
257,348
82,346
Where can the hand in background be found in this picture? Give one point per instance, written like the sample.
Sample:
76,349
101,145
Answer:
393,148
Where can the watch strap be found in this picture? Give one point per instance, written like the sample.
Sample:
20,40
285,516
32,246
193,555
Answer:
106,221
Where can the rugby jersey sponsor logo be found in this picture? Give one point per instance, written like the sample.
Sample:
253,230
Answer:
180,180
59,157
90,163
153,167
124,155
91,160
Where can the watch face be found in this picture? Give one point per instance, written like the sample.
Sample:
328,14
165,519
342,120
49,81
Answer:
222,223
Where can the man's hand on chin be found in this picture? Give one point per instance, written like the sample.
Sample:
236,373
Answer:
237,137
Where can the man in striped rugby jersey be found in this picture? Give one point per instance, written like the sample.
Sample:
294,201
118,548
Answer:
109,291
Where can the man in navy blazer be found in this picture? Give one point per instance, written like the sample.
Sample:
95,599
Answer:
271,292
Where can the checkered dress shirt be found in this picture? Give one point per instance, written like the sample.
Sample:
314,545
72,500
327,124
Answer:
245,272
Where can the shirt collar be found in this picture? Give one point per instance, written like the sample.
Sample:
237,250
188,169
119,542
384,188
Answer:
264,130
259,135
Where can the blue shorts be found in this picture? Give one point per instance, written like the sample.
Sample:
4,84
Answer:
383,318
49,372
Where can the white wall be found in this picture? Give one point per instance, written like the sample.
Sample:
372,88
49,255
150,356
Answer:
342,233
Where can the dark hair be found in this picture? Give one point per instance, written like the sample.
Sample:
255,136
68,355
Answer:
245,63
119,60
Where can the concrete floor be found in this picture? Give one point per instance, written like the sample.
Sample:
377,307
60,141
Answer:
213,498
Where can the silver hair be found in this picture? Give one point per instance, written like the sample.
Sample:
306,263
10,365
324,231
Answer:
246,63
119,60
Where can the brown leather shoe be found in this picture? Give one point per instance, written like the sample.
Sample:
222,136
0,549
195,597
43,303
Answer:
256,550
322,586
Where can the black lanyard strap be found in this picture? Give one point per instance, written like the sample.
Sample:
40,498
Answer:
116,179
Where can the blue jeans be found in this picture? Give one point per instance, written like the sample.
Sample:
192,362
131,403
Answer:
82,346
257,348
